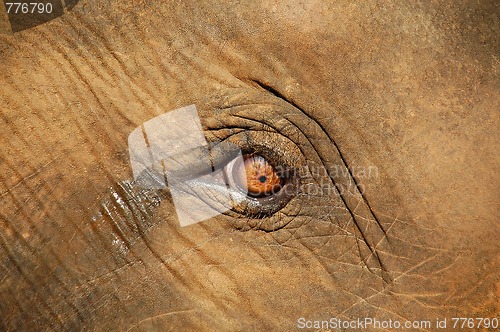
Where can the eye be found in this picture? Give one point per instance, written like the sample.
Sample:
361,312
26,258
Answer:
256,176
259,185
259,171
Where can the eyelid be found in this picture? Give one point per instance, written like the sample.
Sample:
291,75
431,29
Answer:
224,152
201,160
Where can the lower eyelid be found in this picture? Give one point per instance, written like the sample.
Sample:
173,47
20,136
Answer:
219,189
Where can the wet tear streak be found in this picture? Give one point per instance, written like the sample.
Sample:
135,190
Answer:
128,210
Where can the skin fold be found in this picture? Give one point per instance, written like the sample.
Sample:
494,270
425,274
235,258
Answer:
333,89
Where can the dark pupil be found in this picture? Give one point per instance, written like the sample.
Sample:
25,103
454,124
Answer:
262,179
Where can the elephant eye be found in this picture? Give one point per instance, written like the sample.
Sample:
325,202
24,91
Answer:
259,184
254,175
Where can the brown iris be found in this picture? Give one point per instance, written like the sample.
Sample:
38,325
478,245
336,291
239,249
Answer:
257,176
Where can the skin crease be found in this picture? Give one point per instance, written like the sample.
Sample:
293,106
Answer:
408,89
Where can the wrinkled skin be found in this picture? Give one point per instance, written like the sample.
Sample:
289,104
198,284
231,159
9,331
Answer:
405,88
